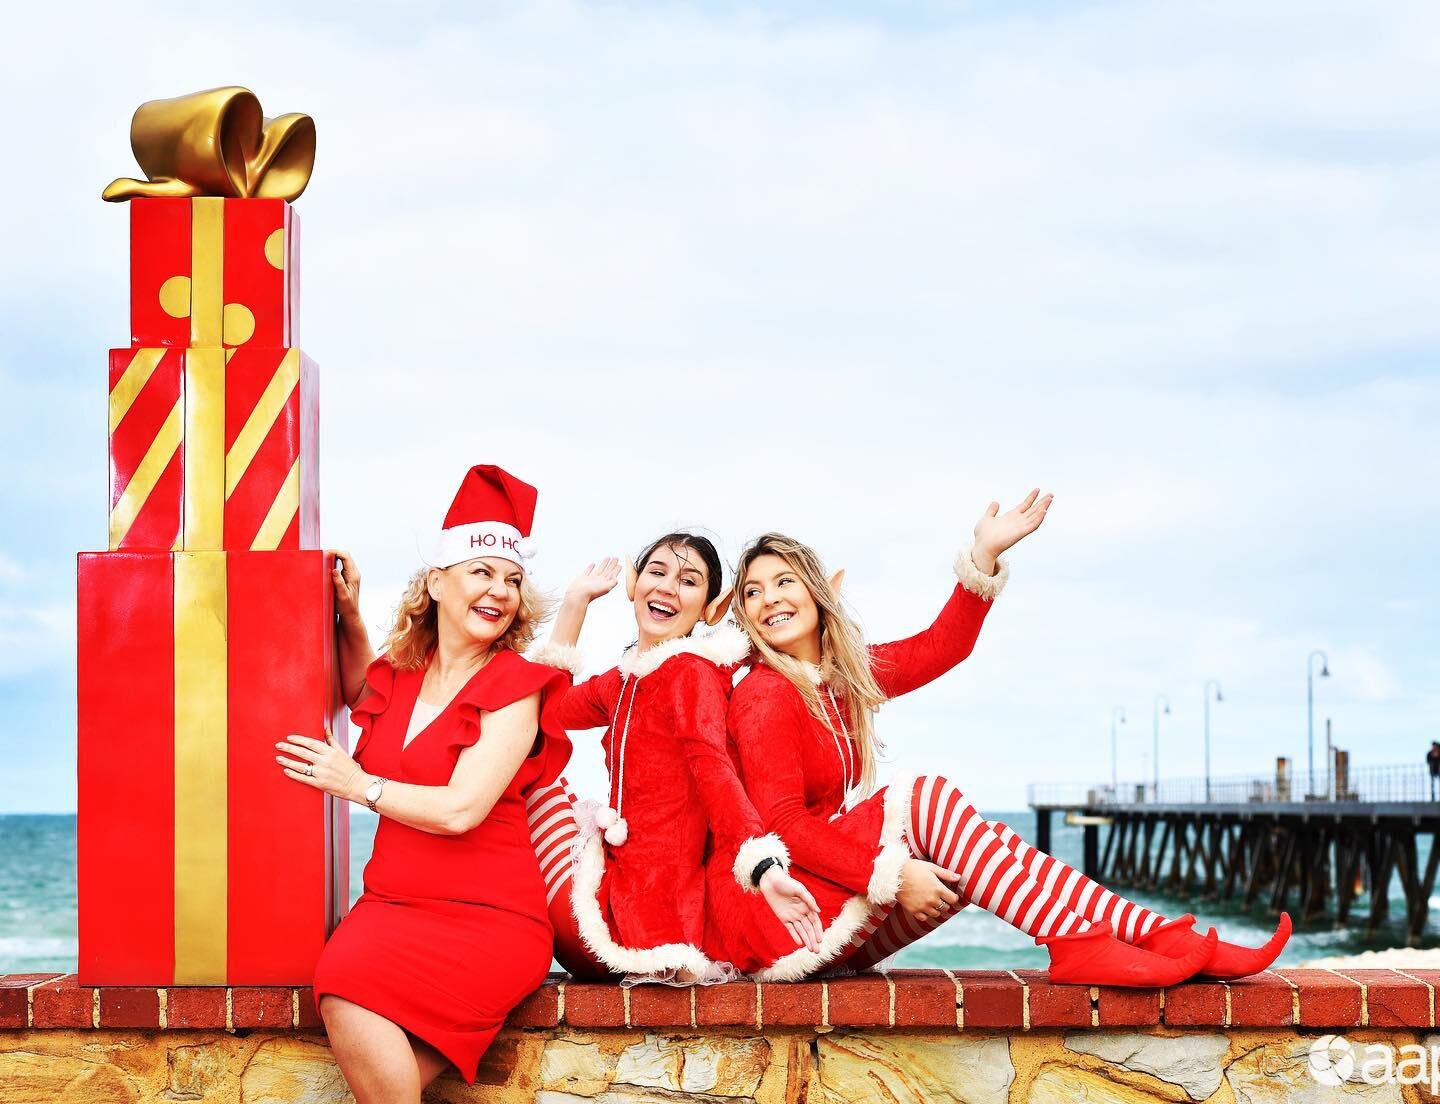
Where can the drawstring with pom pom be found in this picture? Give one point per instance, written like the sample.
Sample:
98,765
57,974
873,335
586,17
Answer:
609,819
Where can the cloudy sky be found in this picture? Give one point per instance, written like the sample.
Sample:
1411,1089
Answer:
850,275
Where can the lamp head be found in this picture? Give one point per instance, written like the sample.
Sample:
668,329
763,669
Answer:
1219,697
1325,671
1167,709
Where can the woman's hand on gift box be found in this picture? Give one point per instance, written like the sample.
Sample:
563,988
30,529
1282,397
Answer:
346,577
322,764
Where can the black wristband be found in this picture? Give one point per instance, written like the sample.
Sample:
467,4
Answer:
760,868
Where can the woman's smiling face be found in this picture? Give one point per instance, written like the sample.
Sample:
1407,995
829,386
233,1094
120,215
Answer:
670,593
478,599
780,606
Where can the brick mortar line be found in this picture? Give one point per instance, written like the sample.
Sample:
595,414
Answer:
759,1007
824,1004
1294,996
693,1022
560,1003
959,1000
625,999
1228,1016
890,983
229,1009
95,1007
1094,1006
30,999
1364,995
163,996
1429,989
1024,999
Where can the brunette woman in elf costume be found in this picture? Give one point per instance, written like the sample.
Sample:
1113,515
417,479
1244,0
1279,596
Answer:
455,729
887,869
627,882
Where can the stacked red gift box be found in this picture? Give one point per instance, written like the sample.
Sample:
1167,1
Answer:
206,631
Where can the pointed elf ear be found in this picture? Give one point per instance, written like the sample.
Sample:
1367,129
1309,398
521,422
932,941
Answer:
631,578
715,612
836,580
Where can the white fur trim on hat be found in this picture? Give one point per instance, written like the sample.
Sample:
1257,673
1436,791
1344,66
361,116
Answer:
565,657
841,931
684,958
482,538
724,646
752,852
976,581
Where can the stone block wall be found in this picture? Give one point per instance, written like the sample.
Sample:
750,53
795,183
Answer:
971,1036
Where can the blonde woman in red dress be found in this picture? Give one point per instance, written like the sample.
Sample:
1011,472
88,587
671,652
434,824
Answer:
455,729
887,868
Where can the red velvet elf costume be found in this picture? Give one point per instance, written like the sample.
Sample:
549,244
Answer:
637,867
452,929
887,870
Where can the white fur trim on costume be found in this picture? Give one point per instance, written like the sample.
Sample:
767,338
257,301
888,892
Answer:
841,931
976,581
724,646
754,851
684,958
565,657
483,538
894,851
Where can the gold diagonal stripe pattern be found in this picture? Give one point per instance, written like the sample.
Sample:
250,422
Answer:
201,769
261,420
280,514
147,474
131,382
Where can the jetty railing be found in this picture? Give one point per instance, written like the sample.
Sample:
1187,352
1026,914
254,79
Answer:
1406,782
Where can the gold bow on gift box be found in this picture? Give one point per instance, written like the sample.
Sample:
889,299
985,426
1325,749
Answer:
217,143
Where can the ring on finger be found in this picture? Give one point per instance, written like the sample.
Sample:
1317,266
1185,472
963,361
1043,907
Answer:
309,770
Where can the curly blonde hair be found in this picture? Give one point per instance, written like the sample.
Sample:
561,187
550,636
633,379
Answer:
844,659
416,630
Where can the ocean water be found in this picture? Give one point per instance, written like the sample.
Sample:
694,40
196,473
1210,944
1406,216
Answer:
38,927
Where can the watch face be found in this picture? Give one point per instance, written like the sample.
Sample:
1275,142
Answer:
372,791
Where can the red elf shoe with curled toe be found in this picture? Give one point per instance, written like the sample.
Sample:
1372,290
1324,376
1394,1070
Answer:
1230,961
1095,957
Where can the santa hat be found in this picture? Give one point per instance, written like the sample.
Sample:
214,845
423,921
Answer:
491,516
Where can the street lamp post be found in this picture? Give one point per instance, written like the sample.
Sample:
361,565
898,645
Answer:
1310,710
1155,749
1219,698
1117,712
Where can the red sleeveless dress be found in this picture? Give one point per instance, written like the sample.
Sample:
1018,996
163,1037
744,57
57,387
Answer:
451,932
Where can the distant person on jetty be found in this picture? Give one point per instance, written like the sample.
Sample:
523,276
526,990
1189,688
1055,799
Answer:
1432,760
634,885
451,932
888,868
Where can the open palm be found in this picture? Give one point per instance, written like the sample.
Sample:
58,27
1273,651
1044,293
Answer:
996,532
596,580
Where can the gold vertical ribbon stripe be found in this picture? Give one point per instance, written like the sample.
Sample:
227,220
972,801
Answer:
207,270
201,798
204,449
147,473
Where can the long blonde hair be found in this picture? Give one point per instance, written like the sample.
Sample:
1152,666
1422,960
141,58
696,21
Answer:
416,630
844,660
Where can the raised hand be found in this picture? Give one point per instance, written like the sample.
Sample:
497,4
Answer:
596,580
996,532
793,906
346,577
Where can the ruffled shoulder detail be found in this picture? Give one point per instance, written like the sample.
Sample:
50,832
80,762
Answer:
506,679
380,679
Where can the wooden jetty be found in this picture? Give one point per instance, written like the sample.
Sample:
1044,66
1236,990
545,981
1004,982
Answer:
1263,841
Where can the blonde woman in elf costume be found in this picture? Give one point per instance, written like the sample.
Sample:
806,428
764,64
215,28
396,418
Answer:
628,881
887,869
455,729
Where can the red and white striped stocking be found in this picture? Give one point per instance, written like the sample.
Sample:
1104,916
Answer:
553,831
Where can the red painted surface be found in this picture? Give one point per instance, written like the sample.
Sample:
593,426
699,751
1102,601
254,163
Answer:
280,631
126,759
294,435
250,279
158,525
159,249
